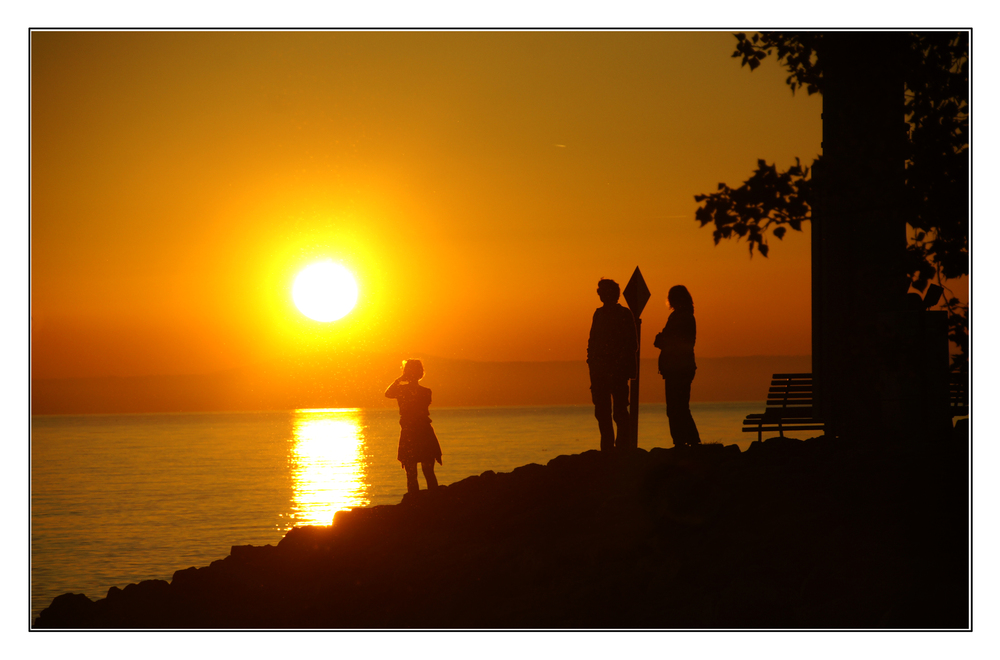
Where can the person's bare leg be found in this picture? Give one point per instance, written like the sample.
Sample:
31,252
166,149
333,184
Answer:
412,485
432,481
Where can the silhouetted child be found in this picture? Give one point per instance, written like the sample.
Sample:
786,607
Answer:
417,440
677,366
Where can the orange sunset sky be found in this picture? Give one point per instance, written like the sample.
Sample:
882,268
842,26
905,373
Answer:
476,183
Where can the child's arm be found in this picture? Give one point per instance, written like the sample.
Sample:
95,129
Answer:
393,391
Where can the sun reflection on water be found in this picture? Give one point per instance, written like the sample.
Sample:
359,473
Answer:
328,464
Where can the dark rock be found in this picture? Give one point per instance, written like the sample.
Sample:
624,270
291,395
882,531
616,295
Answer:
68,611
313,537
790,534
146,590
529,471
960,434
240,551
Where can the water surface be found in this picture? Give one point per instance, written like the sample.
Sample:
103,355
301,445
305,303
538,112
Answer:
117,499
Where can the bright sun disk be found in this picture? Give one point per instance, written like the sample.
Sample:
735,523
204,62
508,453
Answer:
325,291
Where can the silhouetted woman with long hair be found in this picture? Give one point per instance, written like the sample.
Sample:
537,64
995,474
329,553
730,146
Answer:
417,440
677,366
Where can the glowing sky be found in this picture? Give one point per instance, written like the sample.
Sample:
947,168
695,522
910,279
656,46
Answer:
476,183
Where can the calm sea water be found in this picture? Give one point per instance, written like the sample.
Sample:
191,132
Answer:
117,499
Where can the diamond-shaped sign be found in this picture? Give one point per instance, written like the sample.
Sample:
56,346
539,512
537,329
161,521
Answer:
636,293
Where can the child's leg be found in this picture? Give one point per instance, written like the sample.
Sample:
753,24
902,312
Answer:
412,485
428,467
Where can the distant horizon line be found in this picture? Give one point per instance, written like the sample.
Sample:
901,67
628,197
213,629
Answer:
415,355
389,406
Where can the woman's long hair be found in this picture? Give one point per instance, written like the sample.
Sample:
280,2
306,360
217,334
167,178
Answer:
680,299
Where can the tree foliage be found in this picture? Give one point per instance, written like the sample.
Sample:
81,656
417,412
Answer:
767,199
935,203
796,50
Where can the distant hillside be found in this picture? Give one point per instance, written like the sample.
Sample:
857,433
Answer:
336,381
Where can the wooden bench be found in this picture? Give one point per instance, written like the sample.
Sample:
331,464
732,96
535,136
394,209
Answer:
789,407
790,404
958,393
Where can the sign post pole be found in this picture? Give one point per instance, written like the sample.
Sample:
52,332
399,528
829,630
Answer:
636,296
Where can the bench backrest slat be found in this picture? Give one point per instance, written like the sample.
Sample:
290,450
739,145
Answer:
792,393
958,393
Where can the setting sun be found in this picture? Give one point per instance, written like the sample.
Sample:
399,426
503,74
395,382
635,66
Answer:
325,291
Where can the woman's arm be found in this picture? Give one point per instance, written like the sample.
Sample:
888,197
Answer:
679,333
393,390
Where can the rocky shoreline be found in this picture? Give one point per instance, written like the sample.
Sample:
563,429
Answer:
815,534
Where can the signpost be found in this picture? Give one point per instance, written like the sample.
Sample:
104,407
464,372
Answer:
636,296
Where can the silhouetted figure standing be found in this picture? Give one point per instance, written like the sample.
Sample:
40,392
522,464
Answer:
417,441
611,359
677,366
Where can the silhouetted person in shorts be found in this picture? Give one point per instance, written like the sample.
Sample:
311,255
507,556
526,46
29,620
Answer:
417,441
611,359
676,364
